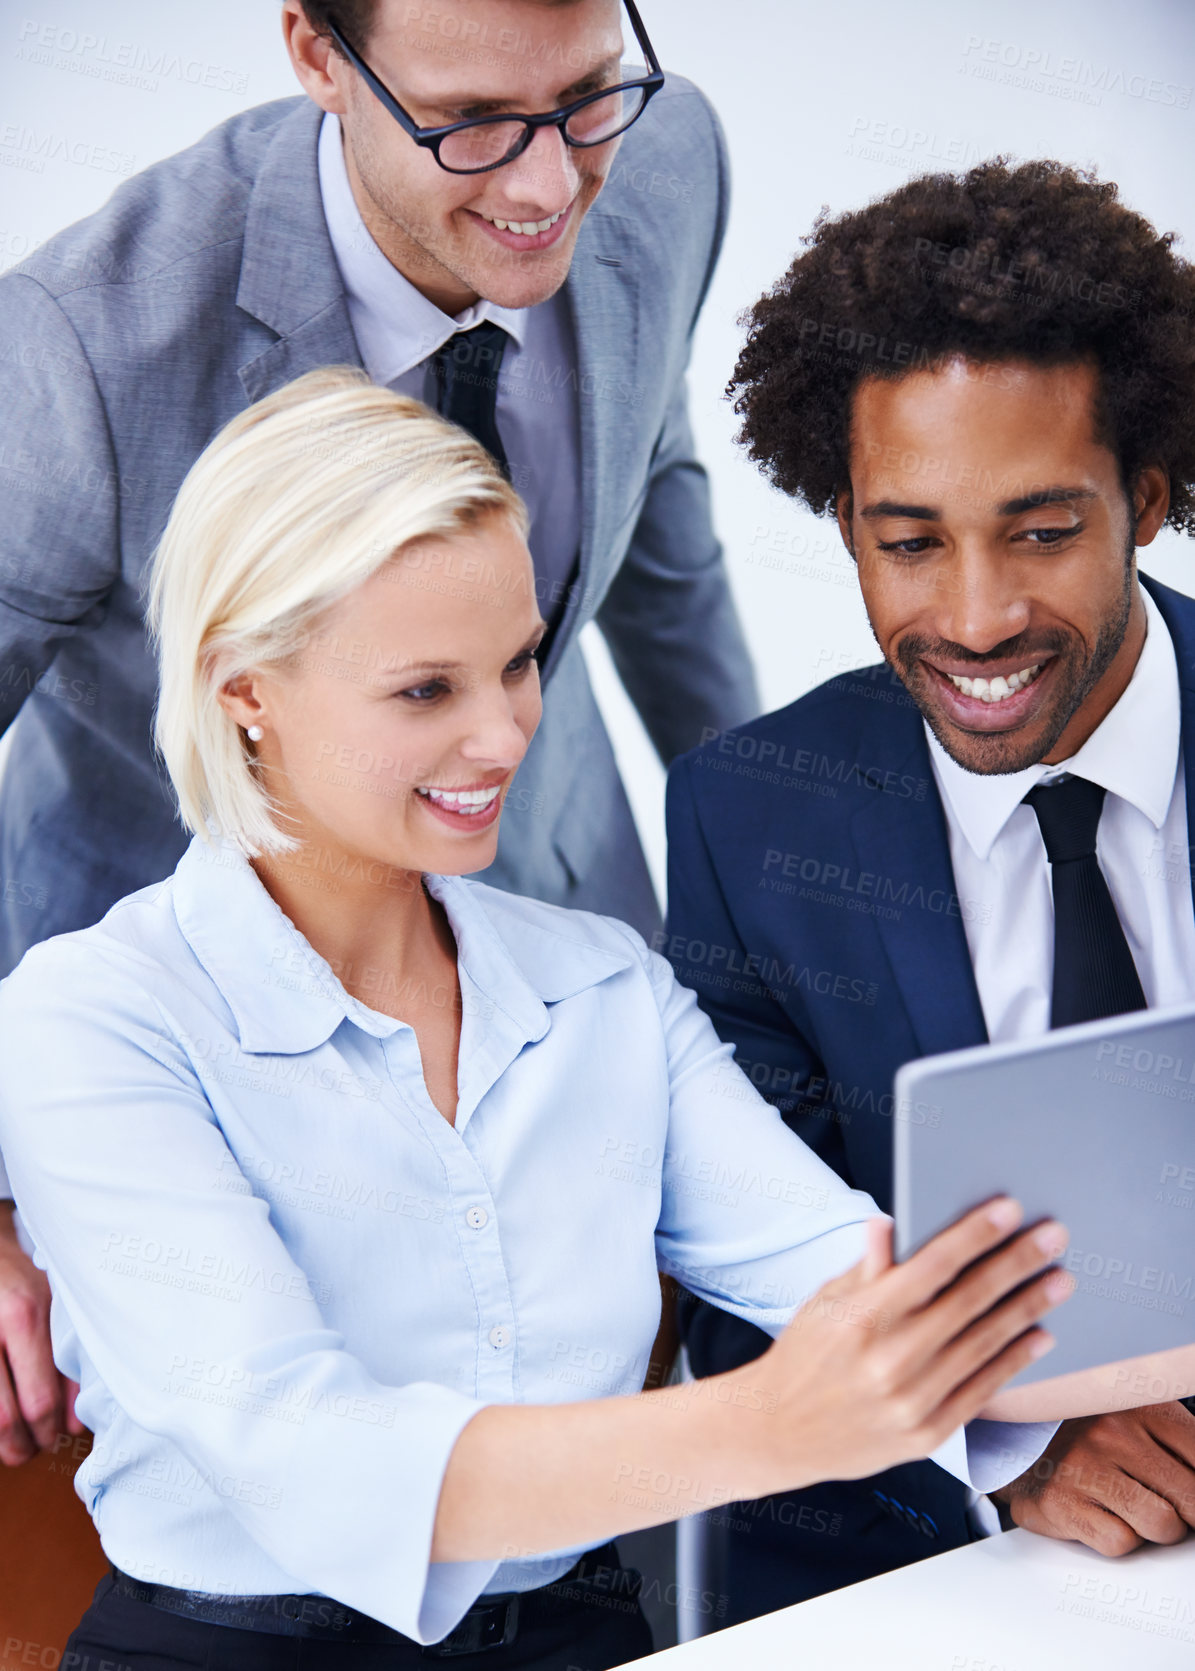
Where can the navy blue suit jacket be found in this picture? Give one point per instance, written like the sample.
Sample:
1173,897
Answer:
812,906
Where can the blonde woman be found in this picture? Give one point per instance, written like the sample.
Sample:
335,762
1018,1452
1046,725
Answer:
352,1178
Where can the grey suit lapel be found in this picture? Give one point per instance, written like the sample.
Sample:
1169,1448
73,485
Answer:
289,277
602,290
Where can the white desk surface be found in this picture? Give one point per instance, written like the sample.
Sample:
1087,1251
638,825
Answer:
1014,1602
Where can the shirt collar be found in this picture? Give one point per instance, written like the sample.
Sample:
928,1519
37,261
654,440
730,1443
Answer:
395,325
1133,752
513,956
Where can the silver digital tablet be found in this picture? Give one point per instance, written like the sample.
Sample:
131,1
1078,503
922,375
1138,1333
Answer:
1093,1125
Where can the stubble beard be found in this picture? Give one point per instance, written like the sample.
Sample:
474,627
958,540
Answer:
999,754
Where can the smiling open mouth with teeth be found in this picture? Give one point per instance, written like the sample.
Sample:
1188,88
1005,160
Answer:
525,228
469,802
997,689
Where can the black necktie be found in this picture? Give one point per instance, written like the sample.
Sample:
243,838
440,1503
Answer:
466,372
1094,973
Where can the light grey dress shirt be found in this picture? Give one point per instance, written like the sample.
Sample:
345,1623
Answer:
398,329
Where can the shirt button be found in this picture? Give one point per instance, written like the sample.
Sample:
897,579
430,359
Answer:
477,1218
500,1335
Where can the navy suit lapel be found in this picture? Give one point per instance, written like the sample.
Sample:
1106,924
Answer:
905,841
1186,691
1187,695
289,277
1178,612
603,297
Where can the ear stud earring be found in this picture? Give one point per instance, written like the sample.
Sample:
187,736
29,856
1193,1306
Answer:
255,733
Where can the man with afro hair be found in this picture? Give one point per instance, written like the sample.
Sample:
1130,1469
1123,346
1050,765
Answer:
989,381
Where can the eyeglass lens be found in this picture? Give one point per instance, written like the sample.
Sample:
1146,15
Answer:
491,142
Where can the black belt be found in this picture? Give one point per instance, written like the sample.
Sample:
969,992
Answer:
492,1621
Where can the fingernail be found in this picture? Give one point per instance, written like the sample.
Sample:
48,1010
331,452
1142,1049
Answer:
1052,1239
1005,1214
1060,1285
1040,1345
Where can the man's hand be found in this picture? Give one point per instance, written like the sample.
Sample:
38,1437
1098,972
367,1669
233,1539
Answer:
1112,1482
36,1402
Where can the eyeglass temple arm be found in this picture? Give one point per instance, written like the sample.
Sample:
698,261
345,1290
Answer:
375,83
653,63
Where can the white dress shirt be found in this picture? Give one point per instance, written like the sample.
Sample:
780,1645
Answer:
398,329
285,1282
1002,877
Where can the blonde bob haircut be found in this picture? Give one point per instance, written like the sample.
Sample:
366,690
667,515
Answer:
297,501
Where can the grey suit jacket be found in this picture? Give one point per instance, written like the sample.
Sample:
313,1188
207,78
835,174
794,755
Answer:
204,283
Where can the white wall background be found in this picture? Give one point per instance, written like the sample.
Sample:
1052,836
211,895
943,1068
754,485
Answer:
824,104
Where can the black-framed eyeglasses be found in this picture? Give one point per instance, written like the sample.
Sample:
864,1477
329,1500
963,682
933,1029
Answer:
484,142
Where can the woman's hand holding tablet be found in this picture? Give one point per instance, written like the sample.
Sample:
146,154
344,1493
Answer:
925,1343
877,1368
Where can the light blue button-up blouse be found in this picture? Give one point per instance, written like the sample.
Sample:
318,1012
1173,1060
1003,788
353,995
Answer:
285,1282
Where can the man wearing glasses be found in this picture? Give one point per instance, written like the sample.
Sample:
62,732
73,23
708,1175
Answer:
427,212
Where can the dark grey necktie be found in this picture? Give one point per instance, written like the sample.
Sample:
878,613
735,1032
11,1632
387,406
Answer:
1094,972
466,370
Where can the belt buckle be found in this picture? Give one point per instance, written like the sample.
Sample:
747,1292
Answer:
484,1626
